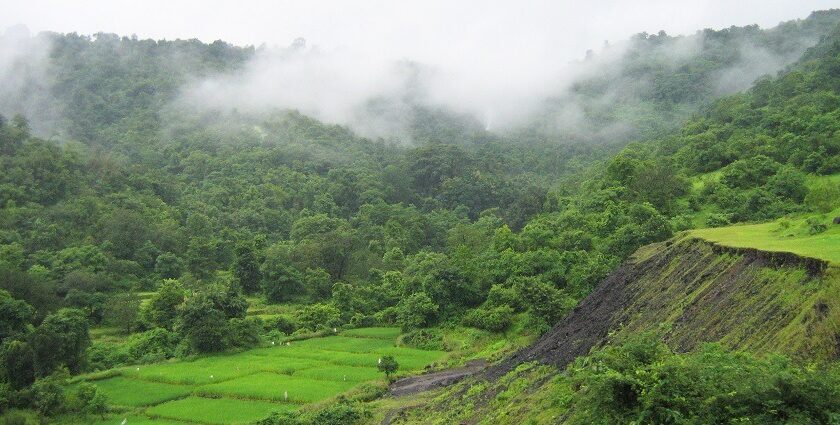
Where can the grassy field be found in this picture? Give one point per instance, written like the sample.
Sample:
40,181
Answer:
246,386
134,393
216,410
785,235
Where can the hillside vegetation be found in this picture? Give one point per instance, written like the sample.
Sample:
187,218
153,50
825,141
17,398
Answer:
151,250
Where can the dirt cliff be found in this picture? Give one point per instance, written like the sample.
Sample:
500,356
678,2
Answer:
694,292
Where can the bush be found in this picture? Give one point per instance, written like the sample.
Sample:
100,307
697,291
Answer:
341,413
318,317
48,396
496,319
281,323
87,399
360,320
424,339
416,311
504,296
718,220
243,333
642,381
816,226
823,197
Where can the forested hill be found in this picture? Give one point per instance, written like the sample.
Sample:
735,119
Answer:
650,85
111,188
750,154
117,92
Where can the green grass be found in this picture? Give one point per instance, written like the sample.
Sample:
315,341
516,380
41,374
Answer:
380,333
344,343
274,387
216,411
209,370
785,235
107,334
116,419
341,373
242,387
134,393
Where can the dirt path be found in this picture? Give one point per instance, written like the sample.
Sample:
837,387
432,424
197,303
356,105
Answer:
416,384
429,381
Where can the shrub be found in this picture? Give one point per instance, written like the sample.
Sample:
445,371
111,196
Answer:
642,381
504,296
89,400
243,333
815,226
823,197
424,339
48,396
388,366
495,319
317,317
282,323
718,220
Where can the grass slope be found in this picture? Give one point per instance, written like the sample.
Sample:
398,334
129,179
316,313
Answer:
785,235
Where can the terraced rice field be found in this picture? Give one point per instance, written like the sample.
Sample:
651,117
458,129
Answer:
244,387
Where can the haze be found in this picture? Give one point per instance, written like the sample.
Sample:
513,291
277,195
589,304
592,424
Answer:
491,59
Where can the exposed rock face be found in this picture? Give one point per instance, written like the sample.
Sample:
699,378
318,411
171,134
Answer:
701,292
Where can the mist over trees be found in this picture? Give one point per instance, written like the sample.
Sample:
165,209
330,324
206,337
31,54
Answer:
163,188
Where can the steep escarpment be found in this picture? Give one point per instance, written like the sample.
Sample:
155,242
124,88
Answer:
694,292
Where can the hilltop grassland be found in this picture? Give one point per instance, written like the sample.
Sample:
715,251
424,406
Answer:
814,236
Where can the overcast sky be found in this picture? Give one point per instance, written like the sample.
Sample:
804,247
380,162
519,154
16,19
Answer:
493,59
431,31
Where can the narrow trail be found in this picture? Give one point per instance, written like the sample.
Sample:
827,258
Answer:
430,381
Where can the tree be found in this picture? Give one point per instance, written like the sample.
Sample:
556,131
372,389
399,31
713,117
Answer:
203,324
416,311
61,339
14,315
18,361
319,316
169,266
162,308
388,366
280,281
247,268
122,310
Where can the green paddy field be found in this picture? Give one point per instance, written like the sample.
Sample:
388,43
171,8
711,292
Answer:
244,387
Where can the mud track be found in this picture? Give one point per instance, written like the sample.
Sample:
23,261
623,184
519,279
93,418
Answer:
429,381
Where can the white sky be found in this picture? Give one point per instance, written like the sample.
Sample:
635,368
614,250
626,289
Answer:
430,31
494,59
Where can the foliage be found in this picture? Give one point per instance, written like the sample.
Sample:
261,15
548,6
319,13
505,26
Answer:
641,380
388,366
496,319
416,311
61,340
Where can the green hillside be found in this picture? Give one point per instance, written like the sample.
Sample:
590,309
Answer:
808,236
652,242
